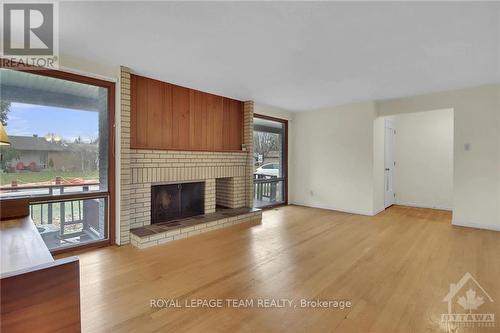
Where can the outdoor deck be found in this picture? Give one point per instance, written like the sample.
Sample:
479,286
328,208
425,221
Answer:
65,222
268,190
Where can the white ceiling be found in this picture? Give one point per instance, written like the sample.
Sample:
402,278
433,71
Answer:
293,55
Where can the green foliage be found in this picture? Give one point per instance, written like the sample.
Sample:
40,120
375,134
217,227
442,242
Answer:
4,110
8,154
46,175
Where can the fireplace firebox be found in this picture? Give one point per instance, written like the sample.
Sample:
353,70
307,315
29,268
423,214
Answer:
175,201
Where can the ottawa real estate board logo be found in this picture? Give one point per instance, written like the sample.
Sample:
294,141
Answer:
29,34
469,307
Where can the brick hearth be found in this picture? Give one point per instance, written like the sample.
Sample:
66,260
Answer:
159,233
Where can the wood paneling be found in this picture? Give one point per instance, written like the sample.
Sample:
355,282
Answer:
167,116
181,122
226,134
235,124
154,111
217,112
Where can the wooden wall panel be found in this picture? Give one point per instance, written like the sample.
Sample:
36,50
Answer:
214,122
167,116
154,111
235,124
182,123
203,115
226,124
197,126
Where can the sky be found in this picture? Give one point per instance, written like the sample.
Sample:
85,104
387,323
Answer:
28,119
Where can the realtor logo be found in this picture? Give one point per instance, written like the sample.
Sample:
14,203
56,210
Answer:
29,32
465,299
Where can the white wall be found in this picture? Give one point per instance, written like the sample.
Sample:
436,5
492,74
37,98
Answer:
424,159
378,164
89,68
476,185
337,154
333,158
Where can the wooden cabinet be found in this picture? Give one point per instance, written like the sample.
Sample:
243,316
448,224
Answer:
38,293
167,116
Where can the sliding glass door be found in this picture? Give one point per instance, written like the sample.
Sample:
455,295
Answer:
60,128
270,161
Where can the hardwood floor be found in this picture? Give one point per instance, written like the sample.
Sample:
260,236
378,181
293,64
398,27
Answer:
395,268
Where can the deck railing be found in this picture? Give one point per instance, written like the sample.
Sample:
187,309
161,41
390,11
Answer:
266,188
69,215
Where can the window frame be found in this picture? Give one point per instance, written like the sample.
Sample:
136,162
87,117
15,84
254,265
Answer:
285,158
109,194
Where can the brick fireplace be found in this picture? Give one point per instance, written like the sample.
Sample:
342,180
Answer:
227,176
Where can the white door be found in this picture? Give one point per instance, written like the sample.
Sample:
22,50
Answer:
390,164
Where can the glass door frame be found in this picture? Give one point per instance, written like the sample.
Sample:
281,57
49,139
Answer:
284,178
109,194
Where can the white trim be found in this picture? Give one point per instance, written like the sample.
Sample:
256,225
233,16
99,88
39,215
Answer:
418,205
493,227
118,144
350,211
88,74
378,211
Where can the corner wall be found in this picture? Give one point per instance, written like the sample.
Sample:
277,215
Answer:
338,153
424,156
476,184
378,165
333,158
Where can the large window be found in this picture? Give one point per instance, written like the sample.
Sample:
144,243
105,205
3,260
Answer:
270,161
59,127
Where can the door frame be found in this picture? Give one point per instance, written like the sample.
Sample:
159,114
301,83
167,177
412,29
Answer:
111,88
389,125
285,157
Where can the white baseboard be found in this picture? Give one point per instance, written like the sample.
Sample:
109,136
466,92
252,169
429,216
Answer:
476,225
378,211
418,205
350,211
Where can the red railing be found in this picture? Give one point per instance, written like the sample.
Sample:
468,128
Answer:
47,185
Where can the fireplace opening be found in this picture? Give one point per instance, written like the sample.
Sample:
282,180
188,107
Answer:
176,201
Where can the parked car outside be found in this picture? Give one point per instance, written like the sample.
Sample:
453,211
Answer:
269,169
